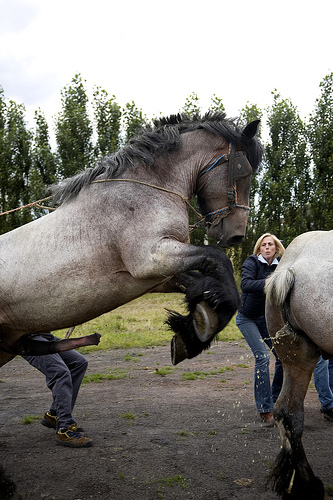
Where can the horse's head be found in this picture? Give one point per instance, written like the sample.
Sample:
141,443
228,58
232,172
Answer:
224,190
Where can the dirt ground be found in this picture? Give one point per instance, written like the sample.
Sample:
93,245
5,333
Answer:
155,436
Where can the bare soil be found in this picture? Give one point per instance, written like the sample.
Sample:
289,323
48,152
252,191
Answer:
155,437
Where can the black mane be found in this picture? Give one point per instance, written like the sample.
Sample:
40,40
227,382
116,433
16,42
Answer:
154,140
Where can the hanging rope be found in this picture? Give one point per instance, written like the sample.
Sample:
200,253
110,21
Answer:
152,186
34,204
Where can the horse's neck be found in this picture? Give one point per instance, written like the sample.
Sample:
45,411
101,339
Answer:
170,173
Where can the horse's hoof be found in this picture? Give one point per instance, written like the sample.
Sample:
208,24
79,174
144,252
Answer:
178,350
205,321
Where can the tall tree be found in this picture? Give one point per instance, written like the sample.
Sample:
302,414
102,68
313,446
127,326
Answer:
285,181
191,106
133,120
198,235
15,164
44,165
238,254
74,130
216,104
321,143
108,123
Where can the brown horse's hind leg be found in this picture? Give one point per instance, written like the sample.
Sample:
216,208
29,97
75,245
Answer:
292,477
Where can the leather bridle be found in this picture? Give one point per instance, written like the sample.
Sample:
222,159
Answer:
238,168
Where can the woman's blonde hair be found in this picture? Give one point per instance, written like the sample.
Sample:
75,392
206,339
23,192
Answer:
279,247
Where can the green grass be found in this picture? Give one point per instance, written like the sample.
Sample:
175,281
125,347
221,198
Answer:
177,480
183,433
30,419
225,369
189,376
98,377
128,416
166,370
329,491
211,433
140,324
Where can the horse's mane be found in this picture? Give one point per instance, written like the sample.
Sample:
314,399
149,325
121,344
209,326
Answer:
164,135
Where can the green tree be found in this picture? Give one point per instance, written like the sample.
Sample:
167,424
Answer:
74,130
238,254
285,181
133,120
108,123
321,143
216,104
198,235
15,164
191,106
44,165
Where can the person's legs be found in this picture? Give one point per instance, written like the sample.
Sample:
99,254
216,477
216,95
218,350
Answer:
322,384
64,382
278,370
262,386
77,365
59,380
330,373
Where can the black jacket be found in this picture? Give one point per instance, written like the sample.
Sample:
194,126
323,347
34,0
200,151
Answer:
254,274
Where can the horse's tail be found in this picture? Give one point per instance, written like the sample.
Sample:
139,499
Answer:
279,285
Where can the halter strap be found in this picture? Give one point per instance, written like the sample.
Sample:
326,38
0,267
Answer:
220,160
233,175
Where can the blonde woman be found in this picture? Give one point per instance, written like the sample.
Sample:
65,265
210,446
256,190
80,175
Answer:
251,322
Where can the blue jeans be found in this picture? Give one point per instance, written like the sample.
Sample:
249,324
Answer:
323,380
256,335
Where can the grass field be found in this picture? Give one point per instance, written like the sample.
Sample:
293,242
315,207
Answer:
140,323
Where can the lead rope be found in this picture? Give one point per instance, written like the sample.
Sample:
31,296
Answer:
152,186
221,213
37,203
34,204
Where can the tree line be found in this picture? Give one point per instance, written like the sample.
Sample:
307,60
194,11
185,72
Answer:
291,193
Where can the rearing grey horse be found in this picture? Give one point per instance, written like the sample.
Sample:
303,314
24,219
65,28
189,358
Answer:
122,228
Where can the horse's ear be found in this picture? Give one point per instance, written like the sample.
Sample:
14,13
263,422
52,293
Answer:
251,129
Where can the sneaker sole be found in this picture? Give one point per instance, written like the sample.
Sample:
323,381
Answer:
47,424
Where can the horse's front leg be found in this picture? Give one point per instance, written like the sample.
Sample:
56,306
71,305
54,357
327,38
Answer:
292,477
210,303
205,275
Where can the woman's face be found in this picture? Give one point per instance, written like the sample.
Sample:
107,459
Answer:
268,249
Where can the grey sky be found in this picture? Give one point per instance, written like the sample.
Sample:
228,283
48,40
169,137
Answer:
158,53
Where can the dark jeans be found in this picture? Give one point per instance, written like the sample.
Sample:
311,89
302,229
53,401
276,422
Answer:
323,379
64,373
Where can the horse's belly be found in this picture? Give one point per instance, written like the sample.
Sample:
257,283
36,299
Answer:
47,283
70,303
